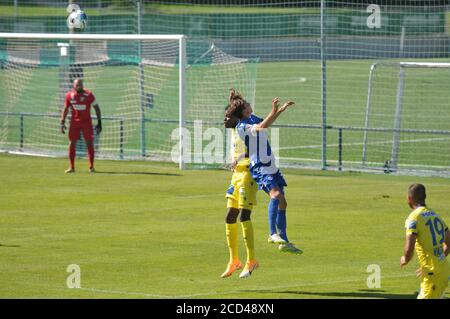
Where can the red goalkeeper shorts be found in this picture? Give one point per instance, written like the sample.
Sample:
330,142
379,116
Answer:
77,127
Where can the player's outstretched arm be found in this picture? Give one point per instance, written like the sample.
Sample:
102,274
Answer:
410,243
268,120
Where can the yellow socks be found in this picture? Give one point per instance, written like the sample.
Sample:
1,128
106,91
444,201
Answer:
232,240
231,231
247,231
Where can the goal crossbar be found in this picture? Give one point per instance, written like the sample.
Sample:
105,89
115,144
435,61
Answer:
432,65
424,65
92,36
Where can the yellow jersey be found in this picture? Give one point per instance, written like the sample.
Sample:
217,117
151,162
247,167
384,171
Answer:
430,229
239,151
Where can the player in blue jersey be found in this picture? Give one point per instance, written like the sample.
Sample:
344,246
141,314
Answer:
252,130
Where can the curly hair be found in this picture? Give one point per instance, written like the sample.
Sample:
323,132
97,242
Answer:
236,106
230,121
234,109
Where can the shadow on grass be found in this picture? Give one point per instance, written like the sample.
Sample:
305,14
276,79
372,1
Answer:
9,246
371,294
138,173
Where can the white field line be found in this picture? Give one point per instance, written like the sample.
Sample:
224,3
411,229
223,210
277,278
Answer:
27,154
361,143
142,294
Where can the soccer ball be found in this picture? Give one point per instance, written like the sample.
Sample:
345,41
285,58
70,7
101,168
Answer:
77,20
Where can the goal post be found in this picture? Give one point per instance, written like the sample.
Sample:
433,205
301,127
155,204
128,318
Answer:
138,80
407,99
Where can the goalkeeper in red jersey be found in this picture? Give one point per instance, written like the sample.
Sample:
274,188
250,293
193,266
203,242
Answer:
79,100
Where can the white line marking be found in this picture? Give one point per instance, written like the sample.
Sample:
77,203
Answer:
27,154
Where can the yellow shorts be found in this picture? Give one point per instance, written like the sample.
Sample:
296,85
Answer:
434,286
241,193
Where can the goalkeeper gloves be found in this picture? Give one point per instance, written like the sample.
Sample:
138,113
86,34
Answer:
63,127
98,128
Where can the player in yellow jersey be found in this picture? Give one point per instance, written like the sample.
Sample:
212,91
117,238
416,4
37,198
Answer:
427,232
241,197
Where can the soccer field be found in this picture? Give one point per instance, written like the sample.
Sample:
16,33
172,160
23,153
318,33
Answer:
148,230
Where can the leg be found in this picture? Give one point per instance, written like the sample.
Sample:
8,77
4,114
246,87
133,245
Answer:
88,134
272,210
281,222
90,147
247,199
232,233
232,215
247,232
281,212
74,135
232,238
276,199
72,154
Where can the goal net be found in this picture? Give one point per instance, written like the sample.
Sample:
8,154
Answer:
135,79
406,126
210,75
154,104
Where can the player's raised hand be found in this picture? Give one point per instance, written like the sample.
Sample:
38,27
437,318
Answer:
275,103
285,106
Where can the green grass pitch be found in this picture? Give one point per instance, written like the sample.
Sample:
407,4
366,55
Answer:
148,230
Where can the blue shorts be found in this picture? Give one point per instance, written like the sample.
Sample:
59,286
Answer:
267,182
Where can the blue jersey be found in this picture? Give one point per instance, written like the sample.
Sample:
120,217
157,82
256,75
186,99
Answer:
257,146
